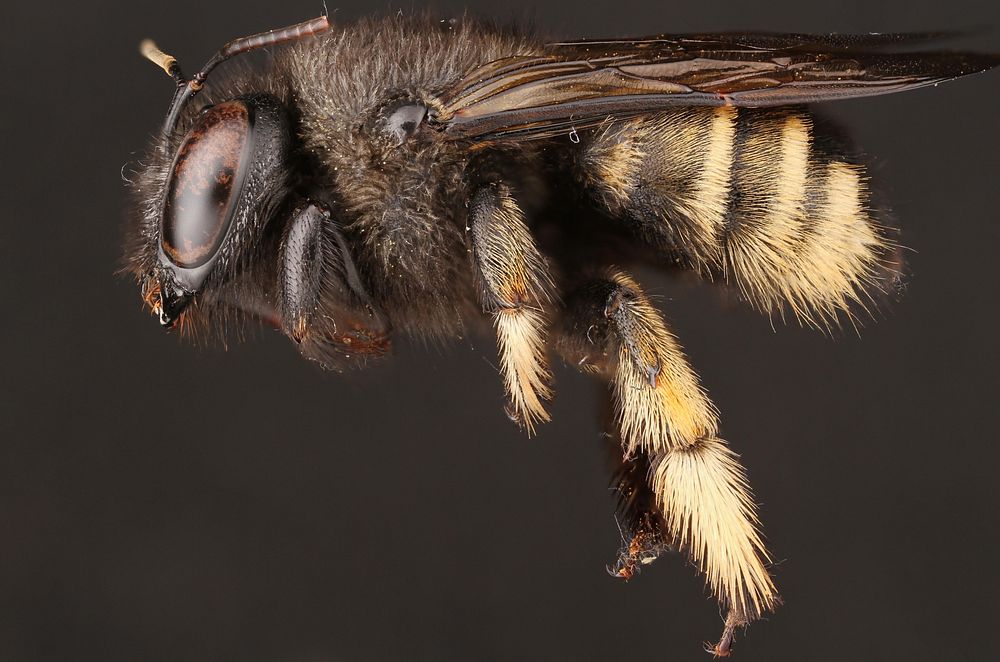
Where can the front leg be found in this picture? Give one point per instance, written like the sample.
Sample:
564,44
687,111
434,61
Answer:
514,288
322,304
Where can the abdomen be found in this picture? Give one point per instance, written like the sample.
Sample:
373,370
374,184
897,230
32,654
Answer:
763,198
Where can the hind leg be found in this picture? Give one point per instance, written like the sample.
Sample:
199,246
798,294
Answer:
695,493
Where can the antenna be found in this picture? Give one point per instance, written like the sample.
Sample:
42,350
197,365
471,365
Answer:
187,89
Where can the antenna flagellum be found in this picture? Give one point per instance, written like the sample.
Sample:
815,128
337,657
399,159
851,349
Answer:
186,89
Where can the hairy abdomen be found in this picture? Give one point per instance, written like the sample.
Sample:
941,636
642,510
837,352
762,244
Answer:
762,198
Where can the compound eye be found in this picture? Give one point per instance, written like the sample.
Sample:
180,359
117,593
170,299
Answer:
205,183
404,121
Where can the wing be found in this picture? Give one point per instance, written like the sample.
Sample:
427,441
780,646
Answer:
579,84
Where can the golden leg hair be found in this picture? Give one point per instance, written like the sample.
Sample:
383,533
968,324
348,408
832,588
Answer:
699,492
515,288
659,403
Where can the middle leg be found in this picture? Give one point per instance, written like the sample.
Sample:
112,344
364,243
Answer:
516,289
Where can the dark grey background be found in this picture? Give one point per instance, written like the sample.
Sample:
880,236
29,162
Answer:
164,502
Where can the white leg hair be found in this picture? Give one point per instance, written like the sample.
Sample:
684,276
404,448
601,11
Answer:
515,288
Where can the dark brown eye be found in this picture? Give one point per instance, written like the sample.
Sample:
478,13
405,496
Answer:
204,184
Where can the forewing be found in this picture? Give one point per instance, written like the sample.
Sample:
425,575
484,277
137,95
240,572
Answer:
579,84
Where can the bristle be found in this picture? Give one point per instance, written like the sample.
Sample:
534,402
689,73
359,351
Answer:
802,234
612,163
659,402
516,288
754,195
687,175
708,202
670,173
839,261
521,340
710,512
767,222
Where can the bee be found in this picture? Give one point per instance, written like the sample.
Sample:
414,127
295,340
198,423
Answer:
393,176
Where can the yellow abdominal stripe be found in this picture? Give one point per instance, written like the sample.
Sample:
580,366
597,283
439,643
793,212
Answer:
786,223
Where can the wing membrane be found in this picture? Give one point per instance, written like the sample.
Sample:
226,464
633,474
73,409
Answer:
579,84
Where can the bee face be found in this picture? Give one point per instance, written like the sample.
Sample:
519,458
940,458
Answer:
226,176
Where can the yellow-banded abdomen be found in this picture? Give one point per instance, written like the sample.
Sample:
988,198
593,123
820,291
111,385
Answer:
757,195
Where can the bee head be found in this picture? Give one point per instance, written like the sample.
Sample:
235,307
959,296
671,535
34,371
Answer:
227,174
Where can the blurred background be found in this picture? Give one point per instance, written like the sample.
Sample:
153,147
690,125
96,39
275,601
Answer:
160,501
